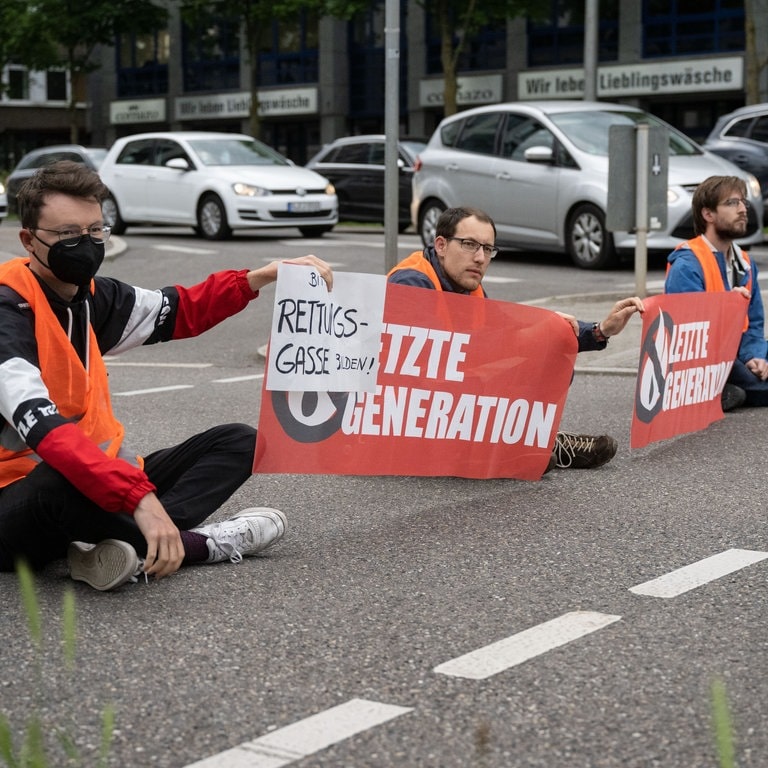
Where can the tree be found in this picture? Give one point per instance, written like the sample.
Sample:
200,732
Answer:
51,34
458,21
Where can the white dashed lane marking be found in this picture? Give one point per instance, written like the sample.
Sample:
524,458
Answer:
234,379
511,651
152,390
695,575
305,737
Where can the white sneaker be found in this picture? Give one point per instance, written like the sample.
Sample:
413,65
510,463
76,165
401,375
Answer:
104,566
247,533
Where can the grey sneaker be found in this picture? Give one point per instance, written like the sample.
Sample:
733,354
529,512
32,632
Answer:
104,566
583,451
247,533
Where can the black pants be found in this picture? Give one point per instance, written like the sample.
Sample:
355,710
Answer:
42,513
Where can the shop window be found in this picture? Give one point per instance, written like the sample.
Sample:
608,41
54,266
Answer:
367,67
692,27
211,56
558,37
289,52
484,50
142,63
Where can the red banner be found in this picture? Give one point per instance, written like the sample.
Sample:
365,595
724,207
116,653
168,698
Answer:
467,387
689,343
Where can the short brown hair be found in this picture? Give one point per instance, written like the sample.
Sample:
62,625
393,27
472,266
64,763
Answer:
709,194
450,218
65,177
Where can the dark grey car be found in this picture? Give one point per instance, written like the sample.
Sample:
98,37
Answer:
355,166
37,158
741,136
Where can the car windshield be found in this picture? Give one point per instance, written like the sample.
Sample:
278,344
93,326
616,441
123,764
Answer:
236,152
97,156
413,147
589,131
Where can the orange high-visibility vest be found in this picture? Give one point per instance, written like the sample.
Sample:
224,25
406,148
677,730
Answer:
713,278
81,395
420,263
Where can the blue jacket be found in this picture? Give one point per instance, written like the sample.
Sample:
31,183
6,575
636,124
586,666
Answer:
685,275
413,277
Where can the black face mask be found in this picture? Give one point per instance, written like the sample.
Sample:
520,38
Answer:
76,264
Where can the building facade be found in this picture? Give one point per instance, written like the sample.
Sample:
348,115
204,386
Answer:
319,78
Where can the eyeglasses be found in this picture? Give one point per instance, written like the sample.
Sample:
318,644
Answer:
735,202
71,236
471,246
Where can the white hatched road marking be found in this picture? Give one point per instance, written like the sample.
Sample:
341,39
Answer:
695,575
511,651
306,736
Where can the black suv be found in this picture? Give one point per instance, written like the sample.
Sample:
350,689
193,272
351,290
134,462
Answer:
742,137
355,166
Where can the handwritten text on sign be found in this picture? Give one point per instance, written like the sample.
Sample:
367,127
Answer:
325,341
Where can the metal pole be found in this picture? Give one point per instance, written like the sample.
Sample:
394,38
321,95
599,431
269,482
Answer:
591,16
641,211
391,129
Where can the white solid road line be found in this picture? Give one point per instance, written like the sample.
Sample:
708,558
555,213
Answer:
691,576
306,736
511,651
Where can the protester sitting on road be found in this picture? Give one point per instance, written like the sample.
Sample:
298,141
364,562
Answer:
457,261
69,485
712,261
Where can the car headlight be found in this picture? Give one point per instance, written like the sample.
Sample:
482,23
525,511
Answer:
330,189
671,196
754,186
2,188
249,190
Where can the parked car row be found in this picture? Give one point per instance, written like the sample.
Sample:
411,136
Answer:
540,169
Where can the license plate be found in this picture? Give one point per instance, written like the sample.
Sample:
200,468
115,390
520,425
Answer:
303,207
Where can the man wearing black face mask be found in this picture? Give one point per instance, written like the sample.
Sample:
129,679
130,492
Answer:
69,483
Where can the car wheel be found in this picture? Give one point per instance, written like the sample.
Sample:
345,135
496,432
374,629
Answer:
212,218
314,231
428,216
111,214
589,243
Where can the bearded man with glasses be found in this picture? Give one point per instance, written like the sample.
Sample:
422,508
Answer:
465,243
69,483
712,261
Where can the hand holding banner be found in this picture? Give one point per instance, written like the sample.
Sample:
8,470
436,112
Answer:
325,341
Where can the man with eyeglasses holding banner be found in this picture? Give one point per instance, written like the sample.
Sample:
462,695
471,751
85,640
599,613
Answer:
457,261
712,261
69,485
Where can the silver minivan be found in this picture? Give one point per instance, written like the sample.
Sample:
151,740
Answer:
540,170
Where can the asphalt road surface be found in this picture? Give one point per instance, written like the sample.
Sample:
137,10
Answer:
407,621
